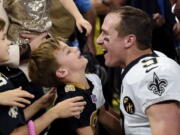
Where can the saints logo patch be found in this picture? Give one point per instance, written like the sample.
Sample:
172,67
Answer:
69,87
13,112
157,86
3,79
128,105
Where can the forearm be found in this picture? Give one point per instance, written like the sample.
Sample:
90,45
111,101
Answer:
40,124
91,17
71,7
100,8
32,110
85,131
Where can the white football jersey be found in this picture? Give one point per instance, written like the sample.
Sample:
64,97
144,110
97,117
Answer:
148,80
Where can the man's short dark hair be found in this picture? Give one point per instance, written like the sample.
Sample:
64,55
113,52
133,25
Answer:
137,22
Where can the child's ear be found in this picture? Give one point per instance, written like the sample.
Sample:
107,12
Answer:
61,73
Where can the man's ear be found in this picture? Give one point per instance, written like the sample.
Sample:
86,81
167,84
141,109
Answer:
130,40
61,73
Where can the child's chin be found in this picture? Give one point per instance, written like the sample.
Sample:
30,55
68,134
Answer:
5,59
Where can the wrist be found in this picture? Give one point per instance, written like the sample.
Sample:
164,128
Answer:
52,113
78,17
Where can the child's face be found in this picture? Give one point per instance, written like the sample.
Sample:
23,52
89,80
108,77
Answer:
4,46
70,57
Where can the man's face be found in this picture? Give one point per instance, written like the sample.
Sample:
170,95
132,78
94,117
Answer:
4,46
70,58
111,41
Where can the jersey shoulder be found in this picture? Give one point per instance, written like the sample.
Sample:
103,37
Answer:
147,66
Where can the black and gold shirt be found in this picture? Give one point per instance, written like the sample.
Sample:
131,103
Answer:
94,98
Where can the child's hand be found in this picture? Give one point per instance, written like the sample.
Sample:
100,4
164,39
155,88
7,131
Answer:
82,23
69,107
15,97
47,99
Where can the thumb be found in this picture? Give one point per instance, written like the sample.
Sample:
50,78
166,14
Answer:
43,35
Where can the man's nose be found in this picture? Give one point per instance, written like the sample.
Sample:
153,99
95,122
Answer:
99,40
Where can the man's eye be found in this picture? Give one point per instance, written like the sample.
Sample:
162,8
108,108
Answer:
106,39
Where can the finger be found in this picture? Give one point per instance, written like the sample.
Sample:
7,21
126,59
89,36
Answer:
76,113
22,100
88,30
24,93
43,35
29,36
18,104
53,90
79,104
76,99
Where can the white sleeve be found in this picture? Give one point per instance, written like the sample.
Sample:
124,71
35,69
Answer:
163,84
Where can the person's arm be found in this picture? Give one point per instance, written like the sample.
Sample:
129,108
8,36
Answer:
101,8
85,131
164,118
80,21
64,109
91,17
43,102
110,120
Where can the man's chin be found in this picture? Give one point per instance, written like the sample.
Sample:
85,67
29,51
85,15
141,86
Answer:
111,64
108,63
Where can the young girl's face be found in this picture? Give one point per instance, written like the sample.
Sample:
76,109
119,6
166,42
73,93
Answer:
71,58
4,46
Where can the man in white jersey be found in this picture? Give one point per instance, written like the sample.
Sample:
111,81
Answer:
150,91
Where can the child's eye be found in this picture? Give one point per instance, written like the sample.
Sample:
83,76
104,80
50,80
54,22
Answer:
4,37
68,51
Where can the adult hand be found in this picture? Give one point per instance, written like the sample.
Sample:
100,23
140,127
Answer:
69,107
82,23
159,20
15,97
35,40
